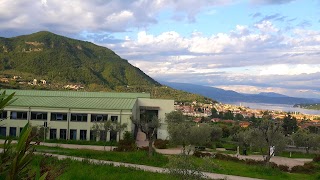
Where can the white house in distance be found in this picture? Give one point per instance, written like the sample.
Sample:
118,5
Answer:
71,114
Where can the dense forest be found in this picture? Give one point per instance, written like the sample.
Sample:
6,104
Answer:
61,60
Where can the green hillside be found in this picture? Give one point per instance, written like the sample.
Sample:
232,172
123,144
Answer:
61,61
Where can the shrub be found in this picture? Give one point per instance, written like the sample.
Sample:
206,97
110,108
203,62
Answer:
182,167
227,157
201,154
127,144
144,148
161,144
316,158
306,168
219,145
283,168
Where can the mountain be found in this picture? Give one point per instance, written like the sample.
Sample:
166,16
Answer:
227,96
272,94
62,61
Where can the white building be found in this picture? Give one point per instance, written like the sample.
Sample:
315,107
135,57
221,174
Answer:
71,115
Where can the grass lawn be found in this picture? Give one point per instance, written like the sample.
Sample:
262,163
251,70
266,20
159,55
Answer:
159,160
70,169
136,157
224,167
256,171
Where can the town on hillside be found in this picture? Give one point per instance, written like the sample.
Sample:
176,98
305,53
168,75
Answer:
227,113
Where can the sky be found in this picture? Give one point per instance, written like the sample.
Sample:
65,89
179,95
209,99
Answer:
249,46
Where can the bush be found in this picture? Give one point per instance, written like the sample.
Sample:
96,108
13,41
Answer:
144,148
306,168
161,144
182,167
127,144
283,168
227,157
219,145
201,154
316,158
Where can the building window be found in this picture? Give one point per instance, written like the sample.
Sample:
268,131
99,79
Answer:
113,135
3,131
103,136
21,130
79,117
73,134
59,116
63,134
53,133
93,135
83,134
3,115
99,117
114,118
39,115
19,115
13,131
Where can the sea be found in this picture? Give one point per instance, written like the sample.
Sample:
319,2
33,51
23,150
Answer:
277,107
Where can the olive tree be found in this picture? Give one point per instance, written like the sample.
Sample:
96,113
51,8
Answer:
303,138
182,132
268,134
149,127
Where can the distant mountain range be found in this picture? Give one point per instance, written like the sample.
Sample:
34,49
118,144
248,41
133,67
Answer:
228,96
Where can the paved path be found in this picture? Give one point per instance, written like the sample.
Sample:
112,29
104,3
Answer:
290,162
149,168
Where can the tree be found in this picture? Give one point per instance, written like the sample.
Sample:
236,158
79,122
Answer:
179,134
200,134
289,125
216,133
214,113
107,126
303,138
15,160
228,115
182,132
268,134
243,138
5,100
175,117
149,127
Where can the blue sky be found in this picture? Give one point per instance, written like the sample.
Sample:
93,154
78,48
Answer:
248,46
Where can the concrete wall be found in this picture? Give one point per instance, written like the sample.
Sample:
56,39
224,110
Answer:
165,106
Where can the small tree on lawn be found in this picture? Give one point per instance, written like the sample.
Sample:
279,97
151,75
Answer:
303,138
200,134
268,134
149,127
182,132
107,126
116,127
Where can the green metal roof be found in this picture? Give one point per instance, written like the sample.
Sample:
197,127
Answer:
75,100
46,93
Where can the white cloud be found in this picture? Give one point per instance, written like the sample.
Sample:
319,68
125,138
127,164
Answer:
287,69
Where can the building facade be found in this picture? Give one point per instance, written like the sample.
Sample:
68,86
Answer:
72,115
